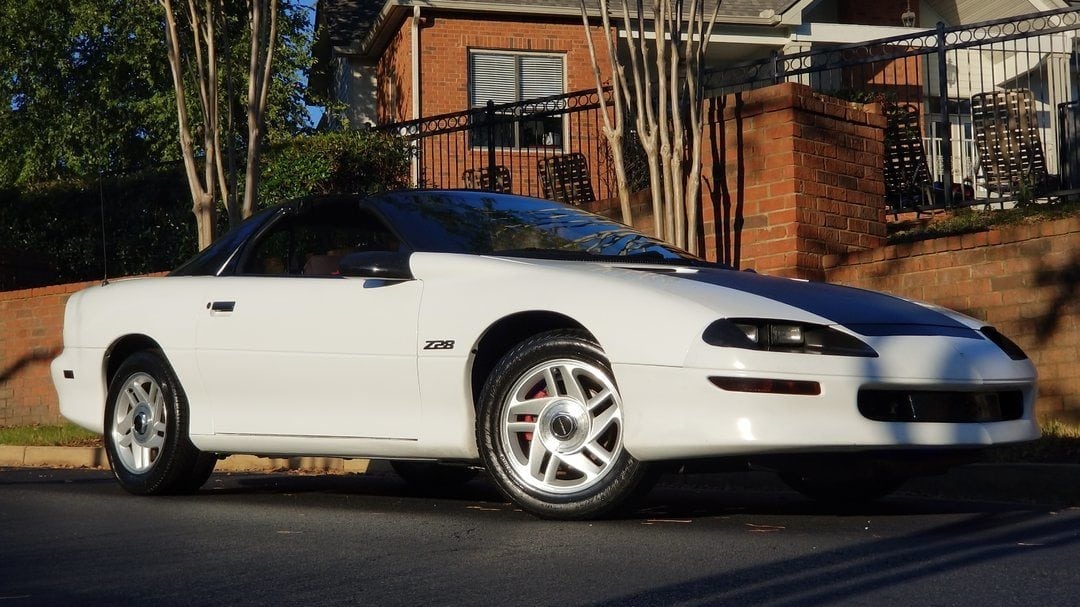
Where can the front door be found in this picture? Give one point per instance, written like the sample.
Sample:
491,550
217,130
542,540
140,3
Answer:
288,347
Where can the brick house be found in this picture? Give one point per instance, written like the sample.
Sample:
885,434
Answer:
397,60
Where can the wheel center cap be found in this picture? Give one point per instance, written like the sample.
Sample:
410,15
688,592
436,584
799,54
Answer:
563,426
142,422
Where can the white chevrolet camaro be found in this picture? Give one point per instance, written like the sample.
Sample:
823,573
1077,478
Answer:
567,355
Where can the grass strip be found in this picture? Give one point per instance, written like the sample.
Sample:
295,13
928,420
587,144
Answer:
60,435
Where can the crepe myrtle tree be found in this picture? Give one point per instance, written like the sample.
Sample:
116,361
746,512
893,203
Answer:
201,19
661,88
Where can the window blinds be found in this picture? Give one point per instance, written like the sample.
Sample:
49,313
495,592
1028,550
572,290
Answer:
506,78
540,76
493,77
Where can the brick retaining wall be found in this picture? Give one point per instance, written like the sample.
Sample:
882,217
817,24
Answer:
1025,280
31,322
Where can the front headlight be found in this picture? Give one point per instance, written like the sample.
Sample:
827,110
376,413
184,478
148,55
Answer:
784,336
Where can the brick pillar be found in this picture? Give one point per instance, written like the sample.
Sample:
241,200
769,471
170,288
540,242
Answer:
791,176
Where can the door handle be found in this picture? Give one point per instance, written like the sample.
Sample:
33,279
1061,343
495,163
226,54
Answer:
221,306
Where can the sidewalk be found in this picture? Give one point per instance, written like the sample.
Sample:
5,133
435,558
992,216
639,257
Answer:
1057,484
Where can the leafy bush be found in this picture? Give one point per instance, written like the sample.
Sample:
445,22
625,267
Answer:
145,218
52,233
352,162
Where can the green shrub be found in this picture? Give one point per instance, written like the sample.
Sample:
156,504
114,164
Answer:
353,162
145,218
52,233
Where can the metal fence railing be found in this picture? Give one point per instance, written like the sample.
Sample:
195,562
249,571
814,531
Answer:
514,147
937,76
942,73
1069,144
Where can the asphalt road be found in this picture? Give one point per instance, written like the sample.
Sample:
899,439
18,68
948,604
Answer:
73,537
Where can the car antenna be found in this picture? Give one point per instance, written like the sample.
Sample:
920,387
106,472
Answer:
104,249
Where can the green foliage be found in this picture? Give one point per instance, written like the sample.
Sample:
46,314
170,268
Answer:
966,220
1060,444
148,224
362,162
85,87
862,95
63,435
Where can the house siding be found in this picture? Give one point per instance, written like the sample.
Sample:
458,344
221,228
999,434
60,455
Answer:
879,12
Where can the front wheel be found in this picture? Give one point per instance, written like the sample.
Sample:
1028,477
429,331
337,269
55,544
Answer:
146,430
550,429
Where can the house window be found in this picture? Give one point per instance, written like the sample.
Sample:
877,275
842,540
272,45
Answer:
514,78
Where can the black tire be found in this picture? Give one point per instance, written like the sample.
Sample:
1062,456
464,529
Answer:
593,474
841,490
435,477
146,430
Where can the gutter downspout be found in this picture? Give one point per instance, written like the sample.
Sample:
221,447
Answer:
416,107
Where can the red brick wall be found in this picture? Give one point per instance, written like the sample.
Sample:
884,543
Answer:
444,51
1025,280
31,322
791,176
445,42
393,77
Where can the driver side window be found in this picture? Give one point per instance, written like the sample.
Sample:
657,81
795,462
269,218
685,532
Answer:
313,241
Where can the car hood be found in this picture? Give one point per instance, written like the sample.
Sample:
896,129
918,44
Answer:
865,312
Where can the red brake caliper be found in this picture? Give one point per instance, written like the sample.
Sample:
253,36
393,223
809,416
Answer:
532,418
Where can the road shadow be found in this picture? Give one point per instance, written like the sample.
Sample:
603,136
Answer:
673,498
847,575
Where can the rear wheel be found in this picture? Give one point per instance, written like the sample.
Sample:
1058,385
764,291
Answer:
550,429
146,430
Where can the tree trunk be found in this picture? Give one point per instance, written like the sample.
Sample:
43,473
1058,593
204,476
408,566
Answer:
202,192
671,138
263,37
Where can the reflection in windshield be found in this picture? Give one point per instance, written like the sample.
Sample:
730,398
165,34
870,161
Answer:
486,224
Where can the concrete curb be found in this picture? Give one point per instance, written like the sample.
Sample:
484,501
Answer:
16,456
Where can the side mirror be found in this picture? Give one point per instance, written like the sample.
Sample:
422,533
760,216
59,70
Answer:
385,265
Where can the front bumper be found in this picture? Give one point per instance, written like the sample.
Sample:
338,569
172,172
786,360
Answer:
676,412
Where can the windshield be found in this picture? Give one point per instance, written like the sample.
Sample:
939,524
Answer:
499,224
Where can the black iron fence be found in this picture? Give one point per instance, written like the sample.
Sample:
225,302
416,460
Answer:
1069,144
549,147
985,96
980,113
